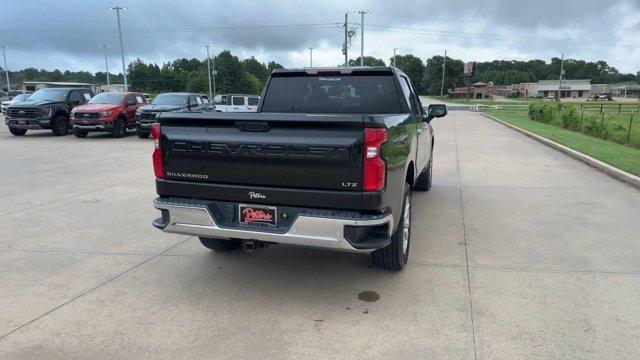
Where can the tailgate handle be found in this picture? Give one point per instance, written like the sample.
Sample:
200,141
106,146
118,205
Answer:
252,126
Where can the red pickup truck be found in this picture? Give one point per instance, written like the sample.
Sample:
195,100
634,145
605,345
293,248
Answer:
107,112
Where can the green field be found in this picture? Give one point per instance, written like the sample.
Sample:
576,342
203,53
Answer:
484,101
620,156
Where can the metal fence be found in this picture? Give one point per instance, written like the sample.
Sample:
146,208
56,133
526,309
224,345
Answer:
619,123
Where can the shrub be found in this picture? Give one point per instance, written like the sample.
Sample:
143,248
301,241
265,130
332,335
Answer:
595,127
569,117
542,112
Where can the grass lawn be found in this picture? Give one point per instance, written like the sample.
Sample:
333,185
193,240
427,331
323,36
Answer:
485,101
622,157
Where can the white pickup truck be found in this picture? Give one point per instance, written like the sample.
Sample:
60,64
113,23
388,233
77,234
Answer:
236,103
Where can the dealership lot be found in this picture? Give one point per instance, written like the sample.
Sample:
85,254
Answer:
517,252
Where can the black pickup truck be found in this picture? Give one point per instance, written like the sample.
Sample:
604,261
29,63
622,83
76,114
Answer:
146,115
328,161
46,109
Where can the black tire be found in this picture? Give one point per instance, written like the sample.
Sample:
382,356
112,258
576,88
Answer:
423,183
143,134
80,133
395,255
17,132
60,126
221,244
119,129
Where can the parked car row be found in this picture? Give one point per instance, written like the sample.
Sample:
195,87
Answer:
64,110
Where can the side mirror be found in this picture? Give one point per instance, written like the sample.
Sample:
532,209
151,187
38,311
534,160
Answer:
437,110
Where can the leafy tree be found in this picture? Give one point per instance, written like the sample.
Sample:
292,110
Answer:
273,66
232,77
257,69
413,67
368,61
432,79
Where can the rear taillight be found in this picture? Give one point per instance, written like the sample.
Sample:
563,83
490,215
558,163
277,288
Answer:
158,165
374,168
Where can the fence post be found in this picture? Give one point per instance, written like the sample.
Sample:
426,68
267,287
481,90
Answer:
619,108
629,132
601,105
581,118
602,119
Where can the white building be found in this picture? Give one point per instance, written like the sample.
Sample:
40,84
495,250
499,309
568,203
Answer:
37,85
568,89
112,87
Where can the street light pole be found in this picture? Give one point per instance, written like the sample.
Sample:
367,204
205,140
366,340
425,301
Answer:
106,63
213,68
209,71
310,57
444,65
393,61
560,80
124,70
362,12
346,40
6,71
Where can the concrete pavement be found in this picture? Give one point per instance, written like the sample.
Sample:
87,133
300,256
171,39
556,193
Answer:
518,252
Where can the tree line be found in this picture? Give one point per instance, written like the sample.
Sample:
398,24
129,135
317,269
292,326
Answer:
234,75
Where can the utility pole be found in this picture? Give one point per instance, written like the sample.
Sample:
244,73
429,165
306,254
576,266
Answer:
346,40
393,61
124,70
444,64
213,70
106,63
6,71
362,12
209,71
310,57
560,80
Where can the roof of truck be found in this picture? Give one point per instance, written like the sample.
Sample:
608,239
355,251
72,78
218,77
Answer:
336,69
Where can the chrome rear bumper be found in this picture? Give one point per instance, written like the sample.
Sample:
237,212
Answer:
191,218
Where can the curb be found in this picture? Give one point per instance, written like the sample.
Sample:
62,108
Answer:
615,173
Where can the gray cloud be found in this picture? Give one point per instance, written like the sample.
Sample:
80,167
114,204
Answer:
67,35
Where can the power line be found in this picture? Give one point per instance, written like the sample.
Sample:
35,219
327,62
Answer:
173,18
490,36
186,29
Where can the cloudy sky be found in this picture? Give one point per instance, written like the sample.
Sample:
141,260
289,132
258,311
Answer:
66,34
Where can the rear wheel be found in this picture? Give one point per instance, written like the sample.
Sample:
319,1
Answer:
423,183
143,134
17,132
80,133
119,129
60,126
395,255
221,244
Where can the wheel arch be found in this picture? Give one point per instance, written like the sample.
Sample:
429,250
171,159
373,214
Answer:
411,174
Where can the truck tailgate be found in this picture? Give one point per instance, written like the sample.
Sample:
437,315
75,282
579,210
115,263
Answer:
301,151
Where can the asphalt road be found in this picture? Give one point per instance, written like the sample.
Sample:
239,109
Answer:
518,252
